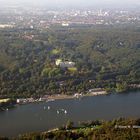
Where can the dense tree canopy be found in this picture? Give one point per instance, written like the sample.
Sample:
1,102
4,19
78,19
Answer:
109,56
94,130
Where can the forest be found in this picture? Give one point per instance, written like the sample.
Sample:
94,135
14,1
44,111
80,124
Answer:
117,129
104,57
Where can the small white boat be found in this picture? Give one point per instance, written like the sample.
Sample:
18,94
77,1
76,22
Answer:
65,112
7,109
48,107
58,112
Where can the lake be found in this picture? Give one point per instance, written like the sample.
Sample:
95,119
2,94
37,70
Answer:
38,117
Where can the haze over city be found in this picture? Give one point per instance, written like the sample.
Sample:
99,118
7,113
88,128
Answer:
73,3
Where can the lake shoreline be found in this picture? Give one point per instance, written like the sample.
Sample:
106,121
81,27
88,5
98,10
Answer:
51,98
63,97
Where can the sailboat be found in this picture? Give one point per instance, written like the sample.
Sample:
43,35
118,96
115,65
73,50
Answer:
65,111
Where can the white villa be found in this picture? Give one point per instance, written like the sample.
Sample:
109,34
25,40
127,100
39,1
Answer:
64,64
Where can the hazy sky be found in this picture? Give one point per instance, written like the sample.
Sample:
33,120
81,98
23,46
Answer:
73,2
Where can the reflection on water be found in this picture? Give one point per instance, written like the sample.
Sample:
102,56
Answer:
43,116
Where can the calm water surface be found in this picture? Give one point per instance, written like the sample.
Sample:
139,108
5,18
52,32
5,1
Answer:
37,117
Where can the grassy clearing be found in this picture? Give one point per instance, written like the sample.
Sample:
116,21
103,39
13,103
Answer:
73,69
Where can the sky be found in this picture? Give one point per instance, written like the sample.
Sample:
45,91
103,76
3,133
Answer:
75,3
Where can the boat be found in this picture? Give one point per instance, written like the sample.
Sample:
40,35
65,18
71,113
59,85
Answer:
57,112
48,107
65,111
